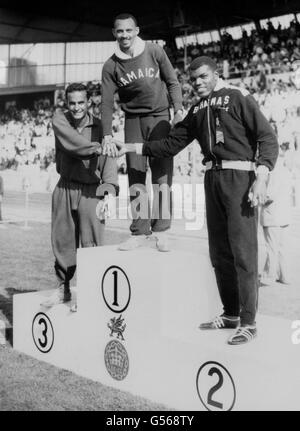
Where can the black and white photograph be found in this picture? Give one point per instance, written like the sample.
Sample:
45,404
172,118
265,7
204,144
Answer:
150,209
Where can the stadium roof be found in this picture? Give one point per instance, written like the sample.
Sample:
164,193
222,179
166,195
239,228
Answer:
91,20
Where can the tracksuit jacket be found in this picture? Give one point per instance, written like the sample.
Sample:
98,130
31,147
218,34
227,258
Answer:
242,123
85,178
142,82
77,162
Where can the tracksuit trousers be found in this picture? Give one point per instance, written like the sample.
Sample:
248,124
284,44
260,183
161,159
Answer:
74,222
232,235
145,220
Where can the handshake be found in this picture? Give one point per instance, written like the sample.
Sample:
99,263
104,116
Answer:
113,148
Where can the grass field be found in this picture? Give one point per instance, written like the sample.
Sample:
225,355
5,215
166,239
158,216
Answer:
30,385
27,384
27,265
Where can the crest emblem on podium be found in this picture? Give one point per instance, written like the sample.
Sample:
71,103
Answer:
116,360
117,327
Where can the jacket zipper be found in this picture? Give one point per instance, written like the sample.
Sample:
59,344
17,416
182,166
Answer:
209,129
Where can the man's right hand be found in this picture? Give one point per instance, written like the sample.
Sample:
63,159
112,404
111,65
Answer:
108,146
121,148
127,148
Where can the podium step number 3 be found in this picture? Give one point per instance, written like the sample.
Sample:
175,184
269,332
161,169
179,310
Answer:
42,332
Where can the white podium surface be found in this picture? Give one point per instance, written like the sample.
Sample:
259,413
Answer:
136,329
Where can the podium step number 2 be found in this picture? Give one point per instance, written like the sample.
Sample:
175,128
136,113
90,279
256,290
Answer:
220,396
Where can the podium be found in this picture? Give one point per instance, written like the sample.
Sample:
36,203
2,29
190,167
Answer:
136,329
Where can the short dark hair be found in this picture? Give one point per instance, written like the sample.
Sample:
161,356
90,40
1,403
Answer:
93,88
203,60
76,86
125,16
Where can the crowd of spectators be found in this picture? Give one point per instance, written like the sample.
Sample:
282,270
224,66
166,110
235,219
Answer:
271,50
26,136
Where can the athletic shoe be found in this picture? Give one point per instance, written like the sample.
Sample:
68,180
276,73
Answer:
162,243
221,322
133,242
266,281
243,335
283,281
74,308
60,296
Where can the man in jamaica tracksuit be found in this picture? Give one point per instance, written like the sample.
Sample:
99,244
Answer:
143,77
239,148
86,177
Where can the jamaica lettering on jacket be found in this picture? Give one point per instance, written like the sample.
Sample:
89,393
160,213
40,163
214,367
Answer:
140,73
221,101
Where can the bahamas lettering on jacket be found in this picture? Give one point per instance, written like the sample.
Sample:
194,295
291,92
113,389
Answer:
221,101
140,73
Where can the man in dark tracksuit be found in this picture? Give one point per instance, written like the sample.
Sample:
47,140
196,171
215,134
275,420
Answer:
84,176
235,138
142,75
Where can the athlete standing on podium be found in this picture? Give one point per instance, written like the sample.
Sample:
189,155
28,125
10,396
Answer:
85,176
143,76
236,140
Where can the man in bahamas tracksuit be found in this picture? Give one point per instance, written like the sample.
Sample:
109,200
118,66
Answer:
236,140
85,178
